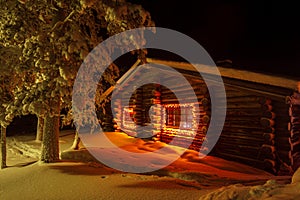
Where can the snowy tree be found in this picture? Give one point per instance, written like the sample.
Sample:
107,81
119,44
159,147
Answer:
54,37
7,83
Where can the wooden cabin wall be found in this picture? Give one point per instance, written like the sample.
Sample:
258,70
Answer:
282,138
168,97
294,128
140,102
148,96
255,132
247,135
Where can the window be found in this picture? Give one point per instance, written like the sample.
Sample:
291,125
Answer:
179,117
127,121
187,115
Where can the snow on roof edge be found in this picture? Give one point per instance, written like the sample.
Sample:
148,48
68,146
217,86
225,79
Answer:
273,80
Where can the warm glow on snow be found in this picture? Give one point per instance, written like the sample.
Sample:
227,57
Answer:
190,177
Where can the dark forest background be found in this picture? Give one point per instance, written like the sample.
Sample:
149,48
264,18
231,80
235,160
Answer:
260,35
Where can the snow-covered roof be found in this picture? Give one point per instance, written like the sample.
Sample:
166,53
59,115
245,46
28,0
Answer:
250,76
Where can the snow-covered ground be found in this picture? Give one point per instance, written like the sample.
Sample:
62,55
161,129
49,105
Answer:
187,178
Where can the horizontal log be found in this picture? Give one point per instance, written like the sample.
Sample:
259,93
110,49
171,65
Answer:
265,122
241,129
269,142
247,124
243,113
268,130
168,136
269,139
240,143
180,140
244,105
268,136
240,147
243,99
247,138
250,161
137,114
202,112
267,149
265,100
205,119
181,86
198,141
242,118
192,81
199,89
269,114
247,112
233,93
265,165
200,136
147,102
193,93
166,100
270,165
203,129
242,95
205,102
267,107
149,89
250,154
267,156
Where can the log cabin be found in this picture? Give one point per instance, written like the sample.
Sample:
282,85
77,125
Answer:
261,127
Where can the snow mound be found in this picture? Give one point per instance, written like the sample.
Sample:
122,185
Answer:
79,176
210,171
271,190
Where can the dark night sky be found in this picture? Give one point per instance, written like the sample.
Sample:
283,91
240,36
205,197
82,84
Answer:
256,35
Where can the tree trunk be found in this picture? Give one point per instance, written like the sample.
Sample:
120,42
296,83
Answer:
40,129
50,143
3,147
75,145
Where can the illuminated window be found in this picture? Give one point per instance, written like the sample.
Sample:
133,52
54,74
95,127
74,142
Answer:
176,116
128,114
127,121
187,115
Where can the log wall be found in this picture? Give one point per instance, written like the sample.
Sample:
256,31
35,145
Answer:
247,135
294,129
195,136
260,128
